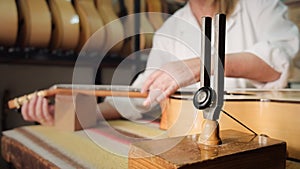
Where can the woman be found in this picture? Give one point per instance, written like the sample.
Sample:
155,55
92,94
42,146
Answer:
260,44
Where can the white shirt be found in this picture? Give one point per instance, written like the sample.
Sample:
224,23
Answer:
260,27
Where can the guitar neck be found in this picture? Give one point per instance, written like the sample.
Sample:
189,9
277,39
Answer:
65,89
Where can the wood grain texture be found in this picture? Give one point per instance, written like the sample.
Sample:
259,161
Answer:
19,155
239,150
15,150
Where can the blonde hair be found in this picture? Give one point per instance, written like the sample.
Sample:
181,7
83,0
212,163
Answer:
227,6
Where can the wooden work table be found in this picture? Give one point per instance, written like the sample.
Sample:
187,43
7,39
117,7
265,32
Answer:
47,147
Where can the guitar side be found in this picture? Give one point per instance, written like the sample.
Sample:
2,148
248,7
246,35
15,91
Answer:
34,15
9,22
90,22
113,26
65,34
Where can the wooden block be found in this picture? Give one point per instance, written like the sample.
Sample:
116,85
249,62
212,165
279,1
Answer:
76,112
239,150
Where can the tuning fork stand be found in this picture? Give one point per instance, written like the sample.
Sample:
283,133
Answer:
209,98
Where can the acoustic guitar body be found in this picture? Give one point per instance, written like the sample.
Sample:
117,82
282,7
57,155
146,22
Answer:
272,113
9,22
35,30
65,34
90,22
113,26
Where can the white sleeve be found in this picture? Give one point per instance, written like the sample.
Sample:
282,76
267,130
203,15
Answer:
278,39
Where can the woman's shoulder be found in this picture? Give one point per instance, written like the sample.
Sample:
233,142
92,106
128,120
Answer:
181,17
259,4
181,12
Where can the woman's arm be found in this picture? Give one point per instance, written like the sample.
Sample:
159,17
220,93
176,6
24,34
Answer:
249,66
172,76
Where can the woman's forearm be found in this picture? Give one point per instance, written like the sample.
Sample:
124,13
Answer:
247,65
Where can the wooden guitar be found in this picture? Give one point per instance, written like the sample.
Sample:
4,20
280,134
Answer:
65,33
90,22
9,22
271,112
35,27
113,26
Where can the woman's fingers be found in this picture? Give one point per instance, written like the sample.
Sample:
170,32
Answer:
161,88
150,80
47,111
38,109
32,108
164,82
151,99
167,92
24,111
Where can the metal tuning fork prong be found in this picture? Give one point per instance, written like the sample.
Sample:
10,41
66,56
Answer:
210,96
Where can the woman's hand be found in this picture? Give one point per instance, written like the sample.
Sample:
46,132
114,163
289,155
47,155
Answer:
37,109
172,76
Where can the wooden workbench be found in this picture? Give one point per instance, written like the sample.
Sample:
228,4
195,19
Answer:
46,147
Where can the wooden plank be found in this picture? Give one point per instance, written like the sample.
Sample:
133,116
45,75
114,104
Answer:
239,150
